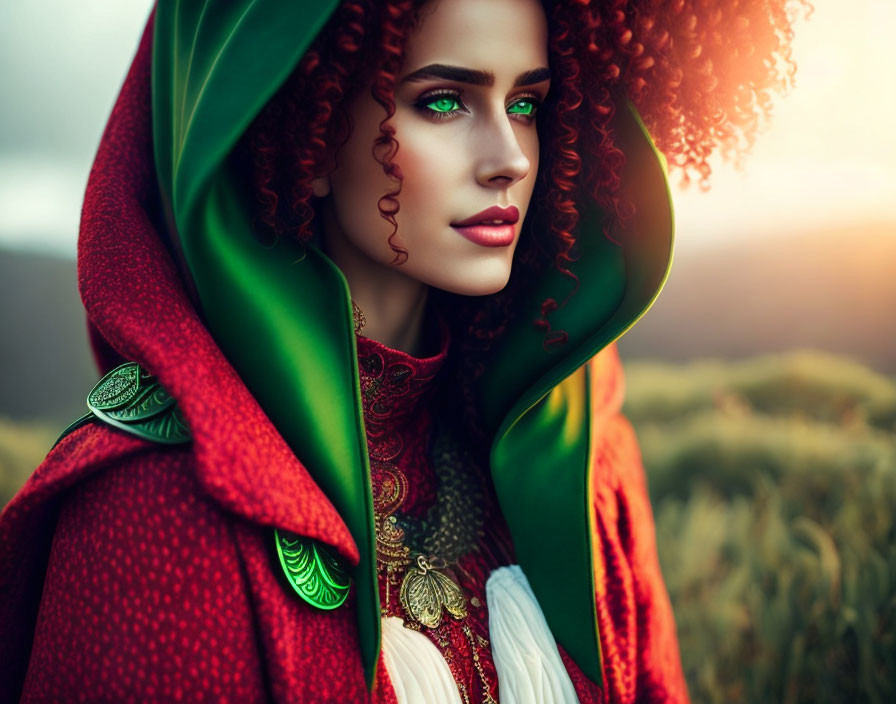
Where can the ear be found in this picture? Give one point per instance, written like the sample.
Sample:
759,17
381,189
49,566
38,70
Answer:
320,186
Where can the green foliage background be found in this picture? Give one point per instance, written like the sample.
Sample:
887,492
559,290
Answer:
773,483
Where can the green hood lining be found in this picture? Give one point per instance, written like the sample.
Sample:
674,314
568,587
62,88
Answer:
282,314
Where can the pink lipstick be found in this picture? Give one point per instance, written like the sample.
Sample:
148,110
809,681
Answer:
493,227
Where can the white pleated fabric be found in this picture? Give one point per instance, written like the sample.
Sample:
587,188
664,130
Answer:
530,670
417,669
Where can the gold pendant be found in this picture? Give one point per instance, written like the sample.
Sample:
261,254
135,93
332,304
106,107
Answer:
425,592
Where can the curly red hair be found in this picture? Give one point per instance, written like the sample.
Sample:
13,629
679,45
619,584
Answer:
700,72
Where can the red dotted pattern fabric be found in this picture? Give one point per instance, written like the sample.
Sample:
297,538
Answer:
137,572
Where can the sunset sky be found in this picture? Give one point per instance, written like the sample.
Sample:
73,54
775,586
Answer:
828,157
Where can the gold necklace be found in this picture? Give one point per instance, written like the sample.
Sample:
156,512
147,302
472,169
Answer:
453,528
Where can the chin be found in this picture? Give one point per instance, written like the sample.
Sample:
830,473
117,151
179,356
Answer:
473,281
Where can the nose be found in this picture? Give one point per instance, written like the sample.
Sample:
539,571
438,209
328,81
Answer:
502,159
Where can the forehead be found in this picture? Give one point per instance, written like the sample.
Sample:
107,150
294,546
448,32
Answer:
502,36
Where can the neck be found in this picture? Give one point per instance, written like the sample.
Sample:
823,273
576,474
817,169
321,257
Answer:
393,319
393,303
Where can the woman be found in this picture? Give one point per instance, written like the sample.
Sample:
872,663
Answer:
447,507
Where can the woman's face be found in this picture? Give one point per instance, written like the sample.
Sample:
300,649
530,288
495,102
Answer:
474,75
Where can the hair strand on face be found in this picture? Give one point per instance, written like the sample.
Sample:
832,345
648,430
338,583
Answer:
400,20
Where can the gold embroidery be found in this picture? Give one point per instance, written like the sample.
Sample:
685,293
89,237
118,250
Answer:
420,554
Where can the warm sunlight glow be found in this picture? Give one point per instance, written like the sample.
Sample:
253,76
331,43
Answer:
828,157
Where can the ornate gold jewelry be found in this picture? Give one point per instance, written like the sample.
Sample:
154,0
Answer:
452,528
425,591
487,697
358,317
418,556
391,552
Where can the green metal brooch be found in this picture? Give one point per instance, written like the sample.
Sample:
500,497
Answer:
312,571
130,398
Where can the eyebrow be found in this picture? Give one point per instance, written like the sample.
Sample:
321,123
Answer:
474,77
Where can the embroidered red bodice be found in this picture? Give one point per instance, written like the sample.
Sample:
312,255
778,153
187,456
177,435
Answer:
399,394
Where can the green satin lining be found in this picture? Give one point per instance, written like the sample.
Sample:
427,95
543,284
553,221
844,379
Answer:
283,317
542,476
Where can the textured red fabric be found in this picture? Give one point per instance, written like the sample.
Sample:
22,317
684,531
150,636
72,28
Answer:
131,571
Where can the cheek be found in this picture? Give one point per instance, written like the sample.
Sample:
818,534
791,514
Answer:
430,170
357,185
529,142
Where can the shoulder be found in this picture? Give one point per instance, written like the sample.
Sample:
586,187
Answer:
83,454
131,416
614,443
69,529
92,470
607,384
136,512
116,461
135,580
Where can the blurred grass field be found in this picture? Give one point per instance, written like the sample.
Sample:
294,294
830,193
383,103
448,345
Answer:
773,482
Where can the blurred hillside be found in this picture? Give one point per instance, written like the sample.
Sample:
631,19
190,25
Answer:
833,290
44,353
773,482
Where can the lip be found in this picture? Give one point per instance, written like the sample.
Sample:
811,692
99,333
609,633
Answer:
482,229
488,235
507,216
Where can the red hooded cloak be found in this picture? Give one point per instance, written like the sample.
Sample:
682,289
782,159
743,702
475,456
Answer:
134,571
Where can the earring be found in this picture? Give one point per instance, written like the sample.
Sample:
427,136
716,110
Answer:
358,317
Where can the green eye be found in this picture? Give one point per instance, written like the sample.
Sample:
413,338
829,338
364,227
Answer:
446,104
522,107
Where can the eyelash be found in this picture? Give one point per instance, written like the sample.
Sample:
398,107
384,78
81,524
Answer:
423,102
